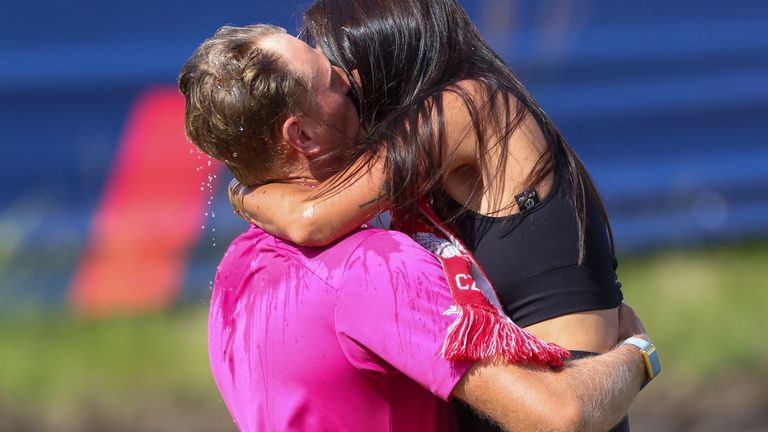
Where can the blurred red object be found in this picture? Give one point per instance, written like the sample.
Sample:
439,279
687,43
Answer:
150,214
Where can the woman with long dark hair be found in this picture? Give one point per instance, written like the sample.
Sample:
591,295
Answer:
442,115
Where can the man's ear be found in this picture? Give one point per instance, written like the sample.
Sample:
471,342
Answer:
297,133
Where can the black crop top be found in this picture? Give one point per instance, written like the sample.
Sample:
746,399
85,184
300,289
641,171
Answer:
532,257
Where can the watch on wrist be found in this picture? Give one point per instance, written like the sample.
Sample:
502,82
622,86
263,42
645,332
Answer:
649,354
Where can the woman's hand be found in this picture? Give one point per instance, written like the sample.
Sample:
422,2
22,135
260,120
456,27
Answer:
237,193
284,210
630,324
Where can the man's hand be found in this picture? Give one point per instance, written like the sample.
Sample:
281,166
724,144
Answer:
586,395
630,324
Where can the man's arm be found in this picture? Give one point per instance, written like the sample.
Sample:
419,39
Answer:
591,394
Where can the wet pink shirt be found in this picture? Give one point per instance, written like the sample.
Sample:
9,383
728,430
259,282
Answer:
342,338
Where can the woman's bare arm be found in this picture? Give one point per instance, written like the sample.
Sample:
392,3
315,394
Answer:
312,216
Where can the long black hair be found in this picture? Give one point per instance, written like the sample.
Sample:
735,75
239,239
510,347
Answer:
409,54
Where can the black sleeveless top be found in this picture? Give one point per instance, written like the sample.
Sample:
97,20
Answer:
532,259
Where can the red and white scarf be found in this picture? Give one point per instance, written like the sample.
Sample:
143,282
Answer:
482,331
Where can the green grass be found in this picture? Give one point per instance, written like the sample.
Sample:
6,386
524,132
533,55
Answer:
55,360
706,310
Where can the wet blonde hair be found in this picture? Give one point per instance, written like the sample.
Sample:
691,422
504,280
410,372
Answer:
238,94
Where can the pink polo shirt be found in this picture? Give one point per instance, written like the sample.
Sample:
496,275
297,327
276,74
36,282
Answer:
341,338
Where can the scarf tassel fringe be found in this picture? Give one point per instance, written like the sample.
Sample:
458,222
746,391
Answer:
479,334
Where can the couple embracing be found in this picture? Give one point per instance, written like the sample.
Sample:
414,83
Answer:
502,254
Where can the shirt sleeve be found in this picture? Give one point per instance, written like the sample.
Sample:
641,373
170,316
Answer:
389,316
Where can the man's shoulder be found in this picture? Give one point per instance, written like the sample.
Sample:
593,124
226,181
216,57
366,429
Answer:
355,249
247,247
364,242
252,238
388,251
388,242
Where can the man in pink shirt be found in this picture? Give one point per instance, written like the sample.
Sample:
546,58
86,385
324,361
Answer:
345,337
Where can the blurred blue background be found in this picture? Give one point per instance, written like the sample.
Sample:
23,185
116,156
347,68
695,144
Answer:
666,102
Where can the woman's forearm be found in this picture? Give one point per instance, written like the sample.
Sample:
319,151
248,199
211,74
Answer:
318,215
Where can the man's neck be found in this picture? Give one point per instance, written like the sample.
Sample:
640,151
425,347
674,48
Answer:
299,172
